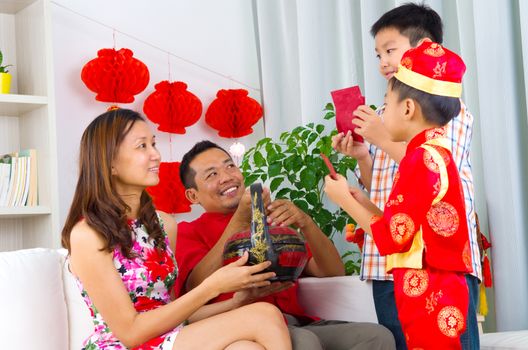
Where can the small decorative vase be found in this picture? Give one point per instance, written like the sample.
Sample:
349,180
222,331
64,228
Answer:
283,246
5,83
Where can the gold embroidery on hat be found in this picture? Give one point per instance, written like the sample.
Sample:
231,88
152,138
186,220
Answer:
434,50
401,227
443,219
432,300
407,62
450,321
415,282
439,69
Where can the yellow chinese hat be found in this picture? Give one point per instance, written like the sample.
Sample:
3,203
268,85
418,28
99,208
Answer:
432,68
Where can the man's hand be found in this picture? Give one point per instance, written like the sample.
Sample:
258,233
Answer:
284,213
345,144
250,295
243,212
370,126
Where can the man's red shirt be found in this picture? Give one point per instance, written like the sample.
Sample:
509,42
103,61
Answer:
194,241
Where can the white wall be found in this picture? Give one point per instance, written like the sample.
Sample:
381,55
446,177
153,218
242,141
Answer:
216,34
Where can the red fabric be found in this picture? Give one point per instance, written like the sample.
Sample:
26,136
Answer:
432,307
486,272
233,113
169,194
115,76
434,61
194,241
355,235
444,225
172,107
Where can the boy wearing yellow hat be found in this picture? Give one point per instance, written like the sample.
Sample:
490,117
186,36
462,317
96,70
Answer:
423,229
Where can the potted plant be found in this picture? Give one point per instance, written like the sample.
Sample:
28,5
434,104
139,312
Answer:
5,77
294,170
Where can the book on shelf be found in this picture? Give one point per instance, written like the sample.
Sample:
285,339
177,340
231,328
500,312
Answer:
18,179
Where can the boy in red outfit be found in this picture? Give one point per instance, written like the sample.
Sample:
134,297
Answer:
423,228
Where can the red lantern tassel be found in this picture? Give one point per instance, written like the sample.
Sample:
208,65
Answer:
486,271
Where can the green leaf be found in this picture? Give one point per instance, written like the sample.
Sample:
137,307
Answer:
319,128
283,193
313,136
283,136
275,169
310,125
312,198
329,107
251,179
329,115
275,183
263,142
308,178
259,160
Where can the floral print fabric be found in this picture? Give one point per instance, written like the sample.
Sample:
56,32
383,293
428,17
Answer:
149,278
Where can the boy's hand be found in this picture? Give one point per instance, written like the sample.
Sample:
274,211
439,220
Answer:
370,126
345,144
337,190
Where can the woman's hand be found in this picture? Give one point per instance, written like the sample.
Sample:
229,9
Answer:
250,295
237,275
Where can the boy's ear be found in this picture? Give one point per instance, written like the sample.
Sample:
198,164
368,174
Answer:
192,195
410,108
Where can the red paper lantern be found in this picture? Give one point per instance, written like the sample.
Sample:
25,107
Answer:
172,107
169,194
115,76
233,113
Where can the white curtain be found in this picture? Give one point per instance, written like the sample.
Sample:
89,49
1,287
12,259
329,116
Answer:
309,47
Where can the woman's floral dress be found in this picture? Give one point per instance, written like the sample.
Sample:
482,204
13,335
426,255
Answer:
149,279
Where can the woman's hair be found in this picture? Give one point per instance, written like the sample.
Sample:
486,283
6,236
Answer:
96,199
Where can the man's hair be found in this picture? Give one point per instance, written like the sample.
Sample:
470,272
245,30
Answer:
187,174
414,21
437,110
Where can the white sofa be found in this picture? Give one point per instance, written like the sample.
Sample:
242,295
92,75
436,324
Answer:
41,307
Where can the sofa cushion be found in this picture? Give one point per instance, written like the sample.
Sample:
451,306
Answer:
344,298
79,318
504,340
33,309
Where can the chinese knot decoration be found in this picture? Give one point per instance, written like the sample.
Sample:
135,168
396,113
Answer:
233,113
115,76
169,194
172,107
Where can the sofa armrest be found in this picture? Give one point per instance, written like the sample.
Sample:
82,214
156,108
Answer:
345,298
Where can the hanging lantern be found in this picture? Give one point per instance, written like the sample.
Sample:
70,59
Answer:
115,76
172,107
169,194
233,113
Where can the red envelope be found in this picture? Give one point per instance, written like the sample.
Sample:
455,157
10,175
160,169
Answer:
347,101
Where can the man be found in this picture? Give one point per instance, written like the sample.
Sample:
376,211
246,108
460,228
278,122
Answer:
213,180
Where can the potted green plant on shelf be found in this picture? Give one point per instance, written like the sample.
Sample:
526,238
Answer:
294,170
5,77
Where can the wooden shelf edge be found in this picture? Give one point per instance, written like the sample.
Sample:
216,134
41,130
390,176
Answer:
22,212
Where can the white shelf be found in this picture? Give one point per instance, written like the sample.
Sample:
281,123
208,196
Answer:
22,212
15,105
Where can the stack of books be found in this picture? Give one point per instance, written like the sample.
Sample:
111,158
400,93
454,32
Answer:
18,179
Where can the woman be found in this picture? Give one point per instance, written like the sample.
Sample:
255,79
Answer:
120,252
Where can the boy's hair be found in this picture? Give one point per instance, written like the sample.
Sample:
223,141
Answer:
436,109
414,21
187,173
